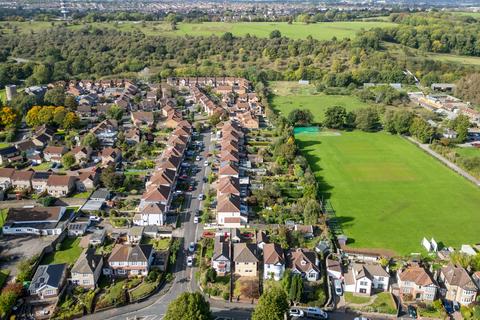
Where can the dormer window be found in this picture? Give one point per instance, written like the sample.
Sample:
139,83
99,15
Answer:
303,262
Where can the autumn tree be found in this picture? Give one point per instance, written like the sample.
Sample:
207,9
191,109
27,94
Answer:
71,121
8,117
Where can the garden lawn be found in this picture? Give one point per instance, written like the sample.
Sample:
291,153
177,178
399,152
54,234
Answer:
289,96
69,252
389,194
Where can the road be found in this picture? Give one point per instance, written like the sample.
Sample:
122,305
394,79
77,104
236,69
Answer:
184,280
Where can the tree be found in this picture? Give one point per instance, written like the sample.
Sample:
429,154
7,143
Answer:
90,140
189,306
68,160
115,112
296,289
468,88
32,116
421,130
302,117
59,115
198,126
312,211
111,179
55,96
71,121
214,119
272,305
335,117
8,117
71,103
367,119
461,124
275,34
402,120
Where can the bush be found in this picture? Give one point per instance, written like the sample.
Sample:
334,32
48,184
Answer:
152,276
225,295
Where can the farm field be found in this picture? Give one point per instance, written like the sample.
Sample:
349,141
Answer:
290,95
320,31
388,194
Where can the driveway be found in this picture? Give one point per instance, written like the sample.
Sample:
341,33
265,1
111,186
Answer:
13,249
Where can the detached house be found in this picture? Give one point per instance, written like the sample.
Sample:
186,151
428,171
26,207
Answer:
366,278
273,261
245,260
82,154
305,263
140,118
129,261
8,154
87,269
416,284
54,154
48,281
111,155
60,185
460,287
221,256
151,215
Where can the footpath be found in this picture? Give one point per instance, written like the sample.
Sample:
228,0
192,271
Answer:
445,161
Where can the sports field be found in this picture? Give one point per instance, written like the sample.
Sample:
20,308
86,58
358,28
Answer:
389,194
320,31
290,95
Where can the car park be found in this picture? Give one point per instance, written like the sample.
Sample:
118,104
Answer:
191,247
412,312
296,312
189,261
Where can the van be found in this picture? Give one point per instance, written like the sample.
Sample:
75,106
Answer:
338,287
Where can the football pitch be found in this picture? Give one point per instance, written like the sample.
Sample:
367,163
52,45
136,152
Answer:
389,194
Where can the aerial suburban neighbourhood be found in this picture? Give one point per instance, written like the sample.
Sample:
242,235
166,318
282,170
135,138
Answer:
239,160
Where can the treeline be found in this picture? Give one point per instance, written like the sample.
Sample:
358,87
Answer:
430,32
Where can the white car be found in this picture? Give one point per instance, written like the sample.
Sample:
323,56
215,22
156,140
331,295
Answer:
315,313
338,287
189,261
200,197
361,318
195,220
197,158
95,218
205,163
295,312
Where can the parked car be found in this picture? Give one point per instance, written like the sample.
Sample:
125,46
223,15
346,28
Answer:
200,196
338,287
412,312
191,247
315,313
361,318
189,261
197,158
197,213
448,306
296,312
95,218
195,219
205,163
